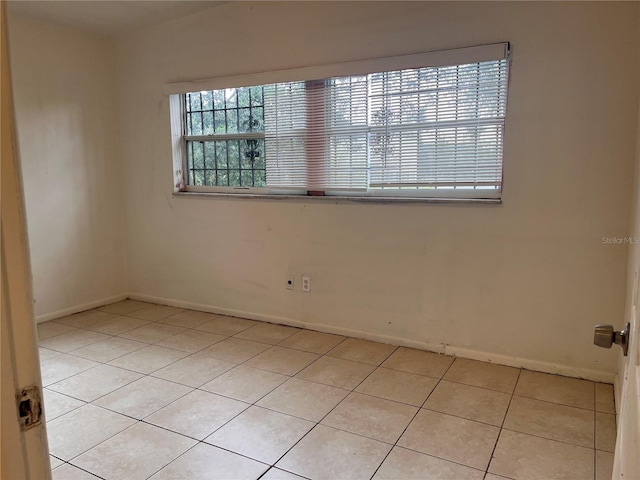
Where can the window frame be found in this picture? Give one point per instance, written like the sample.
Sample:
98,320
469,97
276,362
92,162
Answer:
178,91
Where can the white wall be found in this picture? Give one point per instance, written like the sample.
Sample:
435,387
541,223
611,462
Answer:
527,279
66,111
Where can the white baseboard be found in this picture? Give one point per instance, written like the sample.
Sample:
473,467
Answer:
80,308
529,364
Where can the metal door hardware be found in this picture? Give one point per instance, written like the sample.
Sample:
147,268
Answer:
29,403
604,336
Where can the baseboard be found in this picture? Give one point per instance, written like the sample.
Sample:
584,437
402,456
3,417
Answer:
529,364
321,327
80,308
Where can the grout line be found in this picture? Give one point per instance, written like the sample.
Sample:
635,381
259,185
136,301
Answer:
549,402
549,439
69,411
478,386
179,456
384,398
395,444
496,475
461,418
84,470
273,467
504,418
432,456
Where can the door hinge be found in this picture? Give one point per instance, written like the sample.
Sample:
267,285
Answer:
29,403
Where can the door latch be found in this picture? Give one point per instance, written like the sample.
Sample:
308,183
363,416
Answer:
605,336
29,404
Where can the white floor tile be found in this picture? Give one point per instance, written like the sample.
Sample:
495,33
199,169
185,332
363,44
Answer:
409,465
69,472
134,454
56,404
197,414
205,462
245,383
63,366
95,383
143,397
271,434
148,359
194,370
316,456
82,429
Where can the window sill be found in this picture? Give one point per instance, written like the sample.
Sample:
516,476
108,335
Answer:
339,199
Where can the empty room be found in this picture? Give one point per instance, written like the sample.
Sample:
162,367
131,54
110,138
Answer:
320,240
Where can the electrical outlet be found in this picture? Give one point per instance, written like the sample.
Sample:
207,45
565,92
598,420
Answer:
306,284
290,282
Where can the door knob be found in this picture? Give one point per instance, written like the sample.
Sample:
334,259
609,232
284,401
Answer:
605,336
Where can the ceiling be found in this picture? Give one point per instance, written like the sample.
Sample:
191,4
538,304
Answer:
108,17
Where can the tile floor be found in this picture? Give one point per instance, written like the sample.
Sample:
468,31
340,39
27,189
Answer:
136,391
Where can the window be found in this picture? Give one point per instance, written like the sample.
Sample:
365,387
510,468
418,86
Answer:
432,128
225,137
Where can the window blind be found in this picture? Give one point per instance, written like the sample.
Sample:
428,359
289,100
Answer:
434,130
412,130
316,134
438,127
